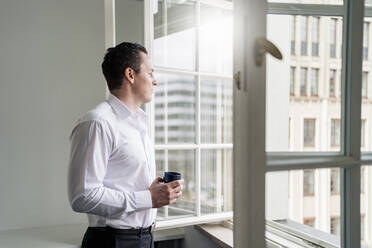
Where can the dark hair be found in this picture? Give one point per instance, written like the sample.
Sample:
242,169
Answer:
119,58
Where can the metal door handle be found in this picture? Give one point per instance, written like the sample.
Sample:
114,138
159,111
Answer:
263,46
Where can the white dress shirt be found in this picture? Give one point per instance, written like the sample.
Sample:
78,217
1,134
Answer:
112,165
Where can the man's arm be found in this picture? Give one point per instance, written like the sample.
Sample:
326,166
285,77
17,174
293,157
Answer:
91,146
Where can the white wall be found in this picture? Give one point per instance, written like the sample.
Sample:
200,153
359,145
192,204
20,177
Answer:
50,55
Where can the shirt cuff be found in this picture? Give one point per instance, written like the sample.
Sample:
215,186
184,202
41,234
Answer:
143,199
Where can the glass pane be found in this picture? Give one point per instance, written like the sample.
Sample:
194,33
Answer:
159,102
174,34
216,49
216,181
183,161
216,110
328,2
365,206
160,166
181,108
307,203
305,87
366,135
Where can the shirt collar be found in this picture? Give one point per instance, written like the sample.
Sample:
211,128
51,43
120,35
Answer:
123,111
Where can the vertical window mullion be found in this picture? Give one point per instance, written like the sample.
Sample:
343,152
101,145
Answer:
351,112
197,99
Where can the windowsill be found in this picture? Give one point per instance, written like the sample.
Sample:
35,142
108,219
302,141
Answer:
64,236
218,233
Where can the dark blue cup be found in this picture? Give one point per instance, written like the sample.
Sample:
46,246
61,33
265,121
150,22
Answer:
170,176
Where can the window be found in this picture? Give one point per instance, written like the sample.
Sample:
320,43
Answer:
333,38
335,133
362,179
335,181
292,81
335,225
314,82
363,133
332,83
303,81
310,221
309,132
308,182
304,35
365,40
365,84
193,104
362,227
315,36
293,35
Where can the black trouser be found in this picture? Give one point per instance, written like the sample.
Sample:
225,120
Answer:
107,237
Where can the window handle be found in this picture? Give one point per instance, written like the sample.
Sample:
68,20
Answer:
262,46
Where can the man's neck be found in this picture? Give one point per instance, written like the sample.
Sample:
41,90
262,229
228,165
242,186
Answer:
128,100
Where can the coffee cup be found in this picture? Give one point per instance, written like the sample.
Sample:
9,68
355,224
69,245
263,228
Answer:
170,176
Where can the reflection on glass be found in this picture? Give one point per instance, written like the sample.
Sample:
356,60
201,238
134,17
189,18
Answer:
216,110
180,115
302,200
160,166
311,97
183,162
365,206
216,39
159,102
216,181
328,2
174,34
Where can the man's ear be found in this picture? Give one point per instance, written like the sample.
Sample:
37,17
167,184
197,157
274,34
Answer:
129,74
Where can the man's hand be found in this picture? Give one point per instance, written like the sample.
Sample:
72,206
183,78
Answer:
165,193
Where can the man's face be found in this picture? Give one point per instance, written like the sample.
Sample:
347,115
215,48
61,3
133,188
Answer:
144,80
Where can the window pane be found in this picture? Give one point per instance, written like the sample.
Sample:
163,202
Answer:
365,206
216,49
183,161
303,81
216,180
304,29
302,201
335,133
333,37
160,168
216,110
365,84
181,108
293,34
365,40
312,90
159,102
314,82
315,36
174,34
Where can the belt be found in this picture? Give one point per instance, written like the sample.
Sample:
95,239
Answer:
137,231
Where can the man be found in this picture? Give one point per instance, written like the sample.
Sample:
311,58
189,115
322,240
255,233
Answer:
112,162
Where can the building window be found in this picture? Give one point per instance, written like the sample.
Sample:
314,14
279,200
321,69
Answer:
365,84
362,179
304,35
292,80
309,132
365,40
333,33
363,133
314,82
332,83
335,226
309,221
315,36
293,35
362,228
309,182
335,132
303,81
335,181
